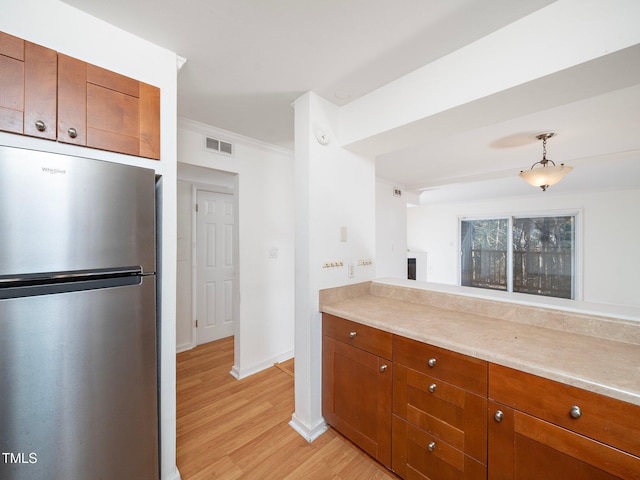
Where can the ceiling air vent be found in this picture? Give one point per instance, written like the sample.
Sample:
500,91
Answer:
219,146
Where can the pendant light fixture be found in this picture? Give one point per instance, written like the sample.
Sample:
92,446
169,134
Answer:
544,175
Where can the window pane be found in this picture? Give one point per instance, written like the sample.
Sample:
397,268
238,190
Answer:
543,251
484,253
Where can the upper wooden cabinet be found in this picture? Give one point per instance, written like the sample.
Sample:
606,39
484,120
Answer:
27,88
54,96
102,109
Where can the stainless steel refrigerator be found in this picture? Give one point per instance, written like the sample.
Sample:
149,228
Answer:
78,368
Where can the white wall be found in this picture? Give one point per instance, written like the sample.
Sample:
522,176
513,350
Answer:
335,188
609,228
60,27
391,230
265,331
191,179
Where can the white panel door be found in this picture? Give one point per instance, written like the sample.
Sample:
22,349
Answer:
215,266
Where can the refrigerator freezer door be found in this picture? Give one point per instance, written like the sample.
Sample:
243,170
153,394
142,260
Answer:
78,381
60,213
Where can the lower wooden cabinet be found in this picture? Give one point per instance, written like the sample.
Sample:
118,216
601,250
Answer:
446,412
524,447
434,414
541,429
356,386
421,456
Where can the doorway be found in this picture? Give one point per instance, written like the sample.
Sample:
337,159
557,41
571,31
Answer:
215,266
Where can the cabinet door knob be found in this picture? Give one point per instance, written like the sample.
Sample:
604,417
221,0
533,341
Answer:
498,416
352,334
431,446
575,412
432,387
432,362
73,133
383,368
40,125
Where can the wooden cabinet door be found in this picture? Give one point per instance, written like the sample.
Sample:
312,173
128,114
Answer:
105,110
356,396
444,411
27,88
418,455
602,418
526,448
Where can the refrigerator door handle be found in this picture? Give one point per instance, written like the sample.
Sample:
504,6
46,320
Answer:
71,276
39,284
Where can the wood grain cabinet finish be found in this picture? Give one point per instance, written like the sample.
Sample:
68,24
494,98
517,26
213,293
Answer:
27,88
357,383
101,109
49,95
439,425
539,428
446,416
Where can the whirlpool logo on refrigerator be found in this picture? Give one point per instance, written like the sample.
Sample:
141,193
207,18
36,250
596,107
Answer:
53,171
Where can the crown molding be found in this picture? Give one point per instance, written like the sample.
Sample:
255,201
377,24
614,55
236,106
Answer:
231,137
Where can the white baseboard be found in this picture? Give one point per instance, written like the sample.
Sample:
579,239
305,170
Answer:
173,476
308,433
241,373
184,347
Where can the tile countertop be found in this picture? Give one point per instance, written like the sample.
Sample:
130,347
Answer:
597,353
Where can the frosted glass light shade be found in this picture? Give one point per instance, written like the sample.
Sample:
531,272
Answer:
545,176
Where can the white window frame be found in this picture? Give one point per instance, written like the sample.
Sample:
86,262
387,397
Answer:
577,269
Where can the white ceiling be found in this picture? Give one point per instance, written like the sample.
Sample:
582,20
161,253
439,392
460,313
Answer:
247,60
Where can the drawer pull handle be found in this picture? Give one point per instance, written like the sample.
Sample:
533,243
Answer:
575,412
431,446
432,387
73,133
352,334
432,362
498,416
383,368
40,126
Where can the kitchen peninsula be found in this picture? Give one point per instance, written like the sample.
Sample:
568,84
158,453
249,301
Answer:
470,385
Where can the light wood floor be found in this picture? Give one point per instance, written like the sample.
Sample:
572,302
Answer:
231,429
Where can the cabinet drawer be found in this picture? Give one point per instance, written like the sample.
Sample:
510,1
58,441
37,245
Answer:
360,336
461,370
443,410
522,446
419,455
602,418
